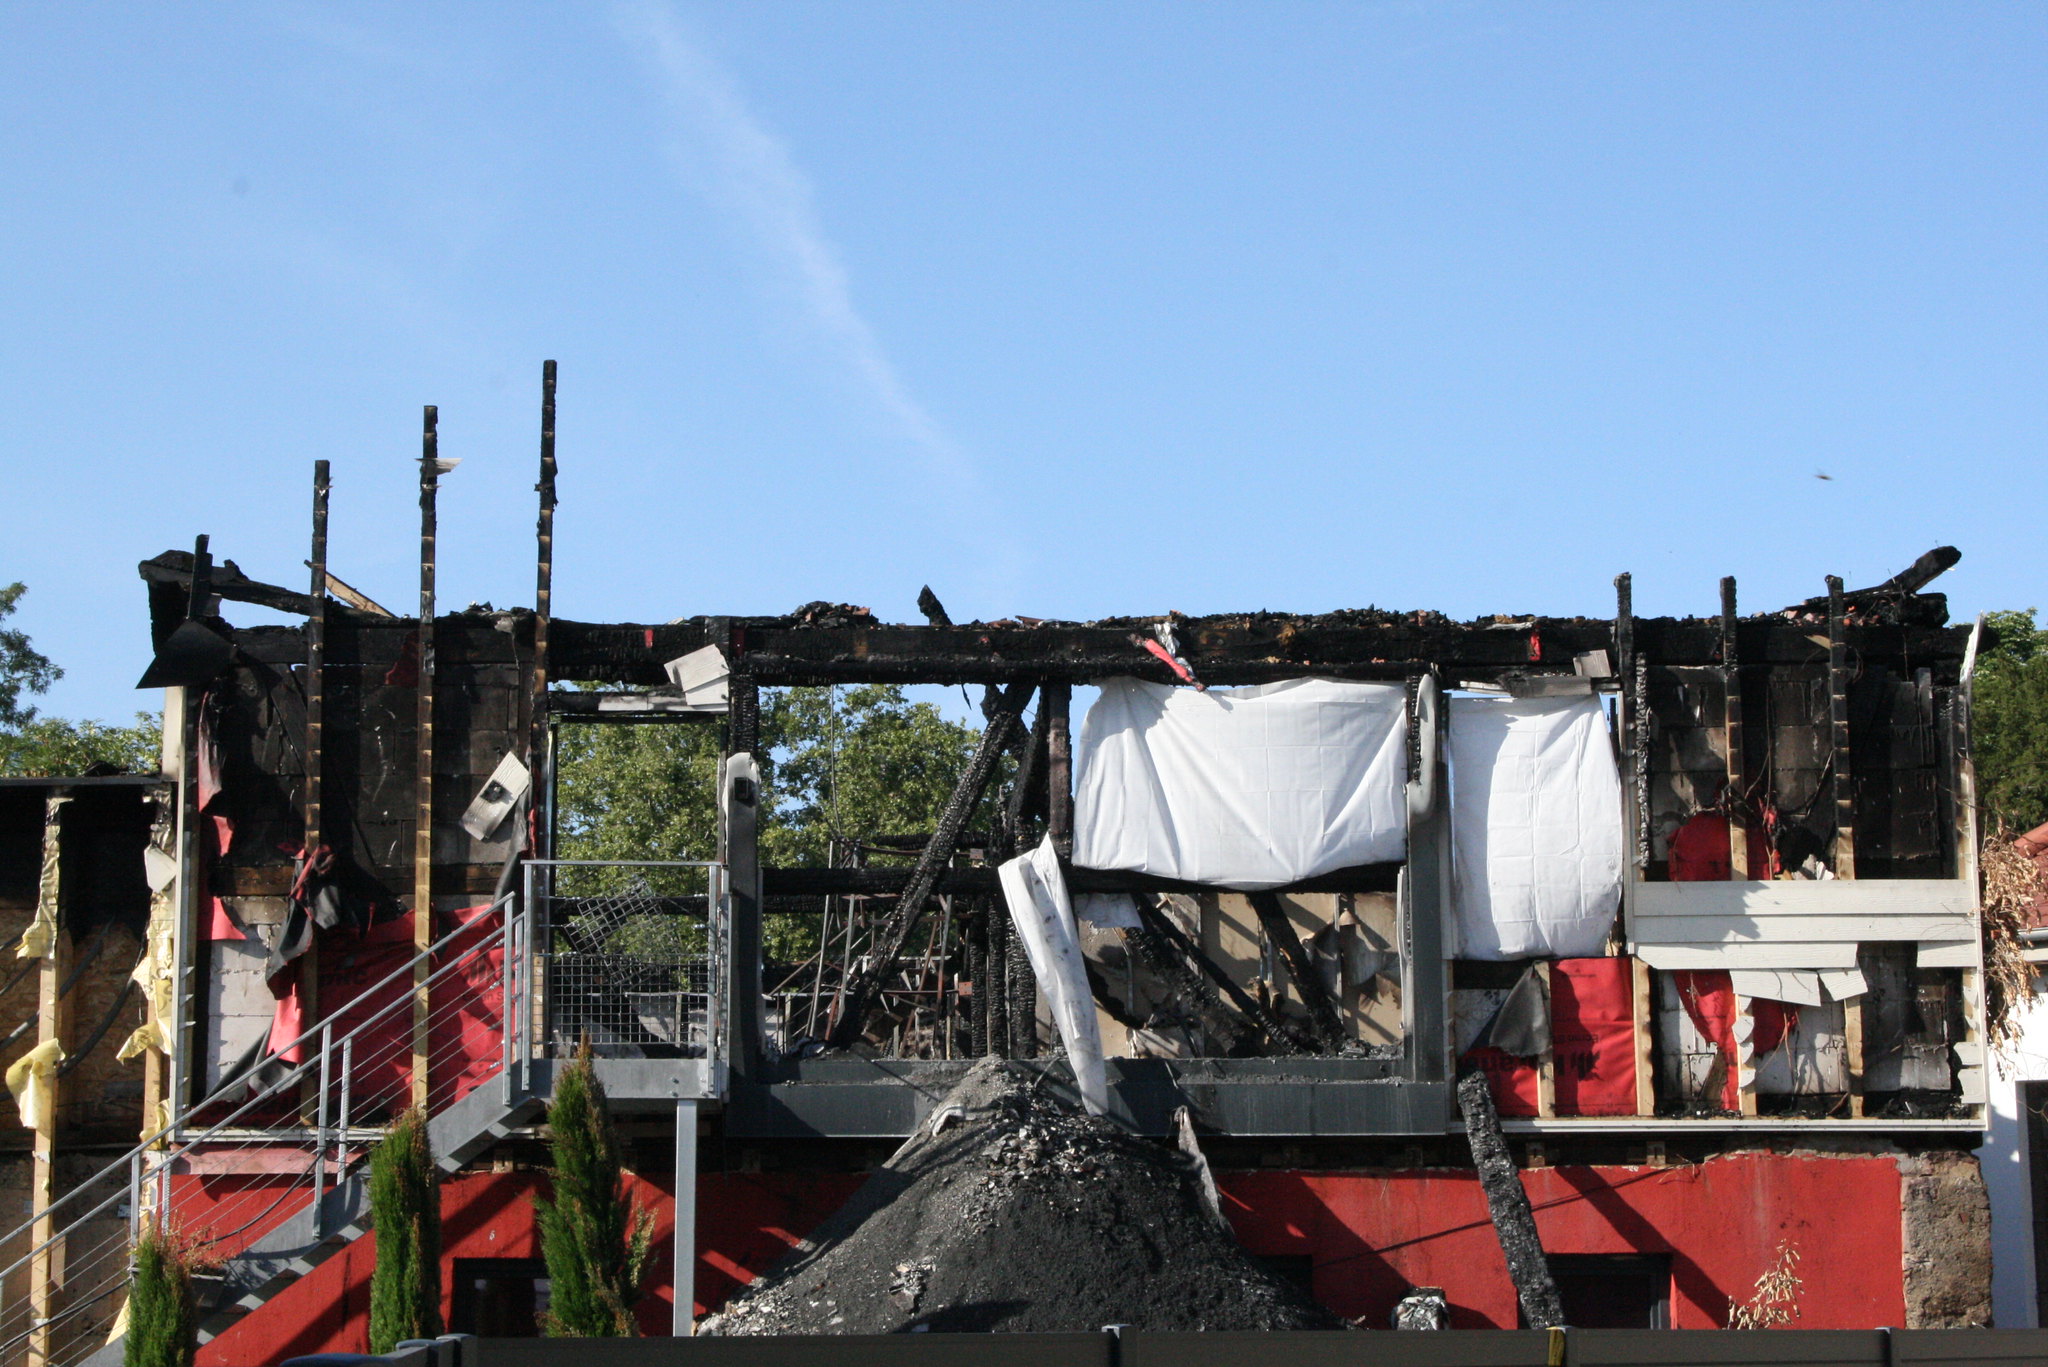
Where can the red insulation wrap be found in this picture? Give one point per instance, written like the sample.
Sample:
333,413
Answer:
1592,1033
467,1005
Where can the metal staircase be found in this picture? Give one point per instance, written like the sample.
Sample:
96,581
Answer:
283,1152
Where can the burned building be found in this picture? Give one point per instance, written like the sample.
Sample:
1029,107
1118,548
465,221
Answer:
1698,896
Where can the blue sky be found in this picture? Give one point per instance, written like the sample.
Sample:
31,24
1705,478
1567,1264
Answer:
1064,309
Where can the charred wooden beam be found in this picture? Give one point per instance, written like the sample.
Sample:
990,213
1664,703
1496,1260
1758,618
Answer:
1508,1205
1279,1037
1895,596
348,593
1157,953
885,882
174,568
1322,1012
891,936
632,654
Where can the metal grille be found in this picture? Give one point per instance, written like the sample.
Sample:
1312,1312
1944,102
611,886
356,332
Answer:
632,971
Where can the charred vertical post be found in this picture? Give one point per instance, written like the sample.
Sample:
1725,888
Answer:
543,596
1055,701
1635,739
1838,719
316,656
316,697
1737,797
423,756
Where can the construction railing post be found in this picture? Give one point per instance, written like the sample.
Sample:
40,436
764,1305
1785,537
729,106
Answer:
683,1323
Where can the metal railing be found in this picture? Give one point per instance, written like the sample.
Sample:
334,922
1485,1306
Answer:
513,983
633,968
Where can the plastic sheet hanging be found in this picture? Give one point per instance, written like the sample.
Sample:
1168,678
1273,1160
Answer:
1536,830
1036,891
1245,788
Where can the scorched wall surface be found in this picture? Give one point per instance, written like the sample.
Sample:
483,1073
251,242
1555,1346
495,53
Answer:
1371,1235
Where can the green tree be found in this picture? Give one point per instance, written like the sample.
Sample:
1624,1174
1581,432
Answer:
2010,721
43,747
856,762
163,1310
53,747
595,1242
22,668
405,1210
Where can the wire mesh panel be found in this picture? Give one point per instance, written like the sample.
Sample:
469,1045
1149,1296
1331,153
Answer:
630,969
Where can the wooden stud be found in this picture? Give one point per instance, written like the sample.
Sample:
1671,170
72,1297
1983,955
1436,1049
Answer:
1546,1062
1644,1040
1737,792
1745,1057
46,1267
1852,1049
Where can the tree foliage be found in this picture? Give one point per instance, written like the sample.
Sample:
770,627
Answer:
53,747
854,763
2010,721
163,1309
405,1210
595,1242
22,668
43,747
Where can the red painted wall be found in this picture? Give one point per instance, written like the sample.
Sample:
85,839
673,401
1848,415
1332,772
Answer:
1372,1236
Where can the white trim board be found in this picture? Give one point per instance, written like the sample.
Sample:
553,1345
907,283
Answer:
1798,924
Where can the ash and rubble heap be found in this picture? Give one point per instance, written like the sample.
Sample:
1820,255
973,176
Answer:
1012,1212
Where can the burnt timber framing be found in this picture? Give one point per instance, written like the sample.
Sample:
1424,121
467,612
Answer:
847,1096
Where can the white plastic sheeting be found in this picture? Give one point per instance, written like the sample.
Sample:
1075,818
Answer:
1244,788
1536,830
1037,893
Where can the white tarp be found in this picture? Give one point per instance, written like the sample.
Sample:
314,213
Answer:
1243,788
1536,833
1037,893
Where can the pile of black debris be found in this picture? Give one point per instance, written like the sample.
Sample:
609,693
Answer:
1010,1211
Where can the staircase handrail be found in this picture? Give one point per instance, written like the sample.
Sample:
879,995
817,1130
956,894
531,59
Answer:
182,1145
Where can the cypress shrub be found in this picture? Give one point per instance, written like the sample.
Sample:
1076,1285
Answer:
163,1312
405,1210
595,1242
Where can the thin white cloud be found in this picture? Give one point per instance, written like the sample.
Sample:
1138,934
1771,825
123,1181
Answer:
749,173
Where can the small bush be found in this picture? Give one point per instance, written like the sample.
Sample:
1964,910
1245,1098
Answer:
595,1242
163,1312
405,1209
